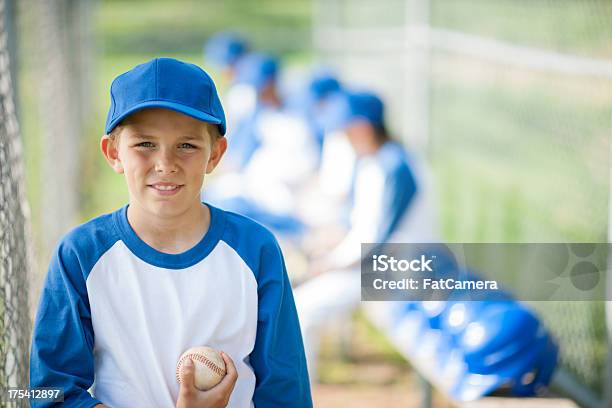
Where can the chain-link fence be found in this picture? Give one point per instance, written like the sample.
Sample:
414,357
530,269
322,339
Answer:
511,101
14,239
60,53
57,46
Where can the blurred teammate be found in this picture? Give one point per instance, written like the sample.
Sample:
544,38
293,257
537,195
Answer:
223,52
258,73
324,201
310,102
391,203
273,151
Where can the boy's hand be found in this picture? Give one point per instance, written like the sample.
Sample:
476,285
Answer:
216,397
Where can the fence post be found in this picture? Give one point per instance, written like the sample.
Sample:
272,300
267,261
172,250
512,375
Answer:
417,55
607,386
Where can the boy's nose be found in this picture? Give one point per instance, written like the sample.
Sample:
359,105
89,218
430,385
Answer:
166,163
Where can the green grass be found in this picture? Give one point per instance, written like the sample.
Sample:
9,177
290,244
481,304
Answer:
129,27
568,26
535,155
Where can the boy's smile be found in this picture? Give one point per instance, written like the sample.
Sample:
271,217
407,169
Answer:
166,188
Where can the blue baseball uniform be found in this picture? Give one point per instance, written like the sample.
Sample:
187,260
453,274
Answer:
391,203
116,314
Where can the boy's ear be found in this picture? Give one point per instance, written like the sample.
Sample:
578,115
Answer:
111,153
219,147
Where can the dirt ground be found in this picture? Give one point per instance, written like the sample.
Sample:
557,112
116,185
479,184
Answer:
358,368
330,395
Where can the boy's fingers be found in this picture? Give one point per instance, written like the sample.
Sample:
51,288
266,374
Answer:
231,374
187,375
229,364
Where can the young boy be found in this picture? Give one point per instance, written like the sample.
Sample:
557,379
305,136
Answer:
127,293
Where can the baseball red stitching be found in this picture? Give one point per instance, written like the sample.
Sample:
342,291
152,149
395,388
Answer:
200,358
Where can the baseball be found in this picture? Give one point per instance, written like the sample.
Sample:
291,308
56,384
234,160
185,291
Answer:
209,366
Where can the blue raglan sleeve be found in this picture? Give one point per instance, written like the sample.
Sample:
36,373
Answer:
63,338
399,192
278,358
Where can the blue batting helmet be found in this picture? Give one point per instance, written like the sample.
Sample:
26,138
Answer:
505,348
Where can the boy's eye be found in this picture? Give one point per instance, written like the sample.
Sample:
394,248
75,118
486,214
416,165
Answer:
150,145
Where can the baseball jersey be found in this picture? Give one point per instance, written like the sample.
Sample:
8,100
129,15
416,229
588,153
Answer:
115,315
389,204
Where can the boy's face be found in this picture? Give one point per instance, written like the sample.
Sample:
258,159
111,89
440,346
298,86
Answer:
164,156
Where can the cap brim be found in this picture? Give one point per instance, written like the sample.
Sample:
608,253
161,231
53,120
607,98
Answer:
177,107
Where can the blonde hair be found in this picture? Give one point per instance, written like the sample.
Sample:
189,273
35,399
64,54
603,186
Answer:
114,134
213,131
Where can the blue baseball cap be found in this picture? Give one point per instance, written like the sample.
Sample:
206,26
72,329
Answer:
165,83
224,49
257,70
349,107
321,85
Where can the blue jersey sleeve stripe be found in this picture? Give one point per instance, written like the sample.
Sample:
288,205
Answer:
399,190
277,358
63,338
